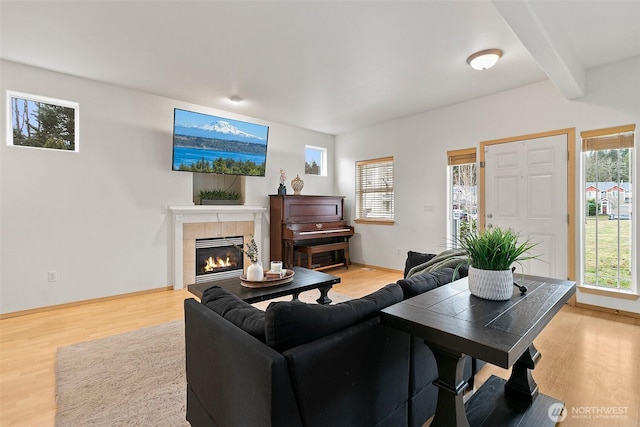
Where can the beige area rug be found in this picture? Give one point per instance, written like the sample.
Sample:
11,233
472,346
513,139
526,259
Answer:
132,379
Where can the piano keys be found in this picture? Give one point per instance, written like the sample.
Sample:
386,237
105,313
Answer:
303,221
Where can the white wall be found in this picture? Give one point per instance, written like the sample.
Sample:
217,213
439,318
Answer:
95,216
419,145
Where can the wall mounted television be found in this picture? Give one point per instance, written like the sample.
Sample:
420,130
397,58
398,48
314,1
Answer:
210,144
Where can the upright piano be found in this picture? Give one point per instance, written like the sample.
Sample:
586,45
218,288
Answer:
306,221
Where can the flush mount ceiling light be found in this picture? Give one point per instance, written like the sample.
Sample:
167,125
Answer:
484,59
235,99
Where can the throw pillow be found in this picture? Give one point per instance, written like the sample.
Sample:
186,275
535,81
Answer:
234,310
415,258
292,323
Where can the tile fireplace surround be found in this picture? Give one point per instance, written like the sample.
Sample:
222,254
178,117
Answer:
201,222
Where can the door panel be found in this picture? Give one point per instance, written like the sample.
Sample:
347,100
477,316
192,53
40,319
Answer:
526,190
506,197
538,187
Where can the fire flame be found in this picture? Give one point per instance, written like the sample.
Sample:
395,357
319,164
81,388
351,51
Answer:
212,264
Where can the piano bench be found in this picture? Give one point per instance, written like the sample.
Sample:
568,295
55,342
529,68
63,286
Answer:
318,249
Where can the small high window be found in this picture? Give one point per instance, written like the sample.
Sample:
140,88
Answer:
40,122
315,162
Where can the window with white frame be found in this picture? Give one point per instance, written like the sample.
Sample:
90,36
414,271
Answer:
41,122
609,246
315,160
463,193
374,191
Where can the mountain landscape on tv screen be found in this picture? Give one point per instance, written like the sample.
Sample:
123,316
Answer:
219,130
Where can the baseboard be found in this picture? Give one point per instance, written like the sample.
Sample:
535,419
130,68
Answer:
608,310
78,303
375,267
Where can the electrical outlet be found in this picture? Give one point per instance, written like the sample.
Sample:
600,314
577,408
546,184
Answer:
164,209
52,276
399,251
428,208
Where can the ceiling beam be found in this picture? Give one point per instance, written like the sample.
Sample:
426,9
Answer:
550,49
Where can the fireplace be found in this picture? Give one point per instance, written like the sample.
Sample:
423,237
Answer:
218,258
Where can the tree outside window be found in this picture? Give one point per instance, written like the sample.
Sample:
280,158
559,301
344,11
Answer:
41,122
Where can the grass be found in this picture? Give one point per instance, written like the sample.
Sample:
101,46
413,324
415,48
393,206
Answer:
614,241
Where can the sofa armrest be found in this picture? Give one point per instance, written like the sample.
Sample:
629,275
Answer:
237,379
355,377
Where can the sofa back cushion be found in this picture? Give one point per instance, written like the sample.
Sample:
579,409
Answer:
423,282
234,310
292,323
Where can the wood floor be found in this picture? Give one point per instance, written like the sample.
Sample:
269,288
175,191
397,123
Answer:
590,360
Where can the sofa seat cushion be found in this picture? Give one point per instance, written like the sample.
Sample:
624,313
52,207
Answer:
234,310
292,323
420,283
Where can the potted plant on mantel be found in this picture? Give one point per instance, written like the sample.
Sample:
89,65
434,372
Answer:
491,254
219,197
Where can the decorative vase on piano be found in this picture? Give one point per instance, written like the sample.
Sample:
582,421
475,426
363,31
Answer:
297,184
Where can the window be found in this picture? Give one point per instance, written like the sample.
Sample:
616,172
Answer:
374,190
36,121
609,247
315,162
463,193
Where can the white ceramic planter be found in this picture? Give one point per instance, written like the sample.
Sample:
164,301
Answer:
496,285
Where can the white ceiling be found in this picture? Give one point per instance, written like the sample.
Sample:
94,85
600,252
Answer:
329,66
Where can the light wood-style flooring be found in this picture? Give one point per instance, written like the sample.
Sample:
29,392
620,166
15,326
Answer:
590,360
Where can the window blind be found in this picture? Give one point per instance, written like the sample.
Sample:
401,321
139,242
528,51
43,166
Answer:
608,139
461,157
374,190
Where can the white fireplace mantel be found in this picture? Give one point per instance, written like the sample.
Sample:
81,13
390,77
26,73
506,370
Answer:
210,213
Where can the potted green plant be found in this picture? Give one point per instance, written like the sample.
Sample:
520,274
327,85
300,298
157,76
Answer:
491,254
219,197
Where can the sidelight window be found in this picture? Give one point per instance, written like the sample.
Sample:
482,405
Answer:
463,193
609,246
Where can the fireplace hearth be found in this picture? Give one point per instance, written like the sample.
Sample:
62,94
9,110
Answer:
218,258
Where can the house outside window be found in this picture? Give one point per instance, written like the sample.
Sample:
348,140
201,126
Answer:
608,223
463,193
374,191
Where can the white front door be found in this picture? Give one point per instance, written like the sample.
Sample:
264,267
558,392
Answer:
526,190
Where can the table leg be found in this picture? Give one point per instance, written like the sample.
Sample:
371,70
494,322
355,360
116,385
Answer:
521,384
324,295
450,411
295,296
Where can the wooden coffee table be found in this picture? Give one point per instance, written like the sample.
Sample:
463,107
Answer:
303,280
455,323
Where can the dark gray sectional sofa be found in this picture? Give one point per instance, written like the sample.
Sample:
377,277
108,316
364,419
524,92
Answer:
299,364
